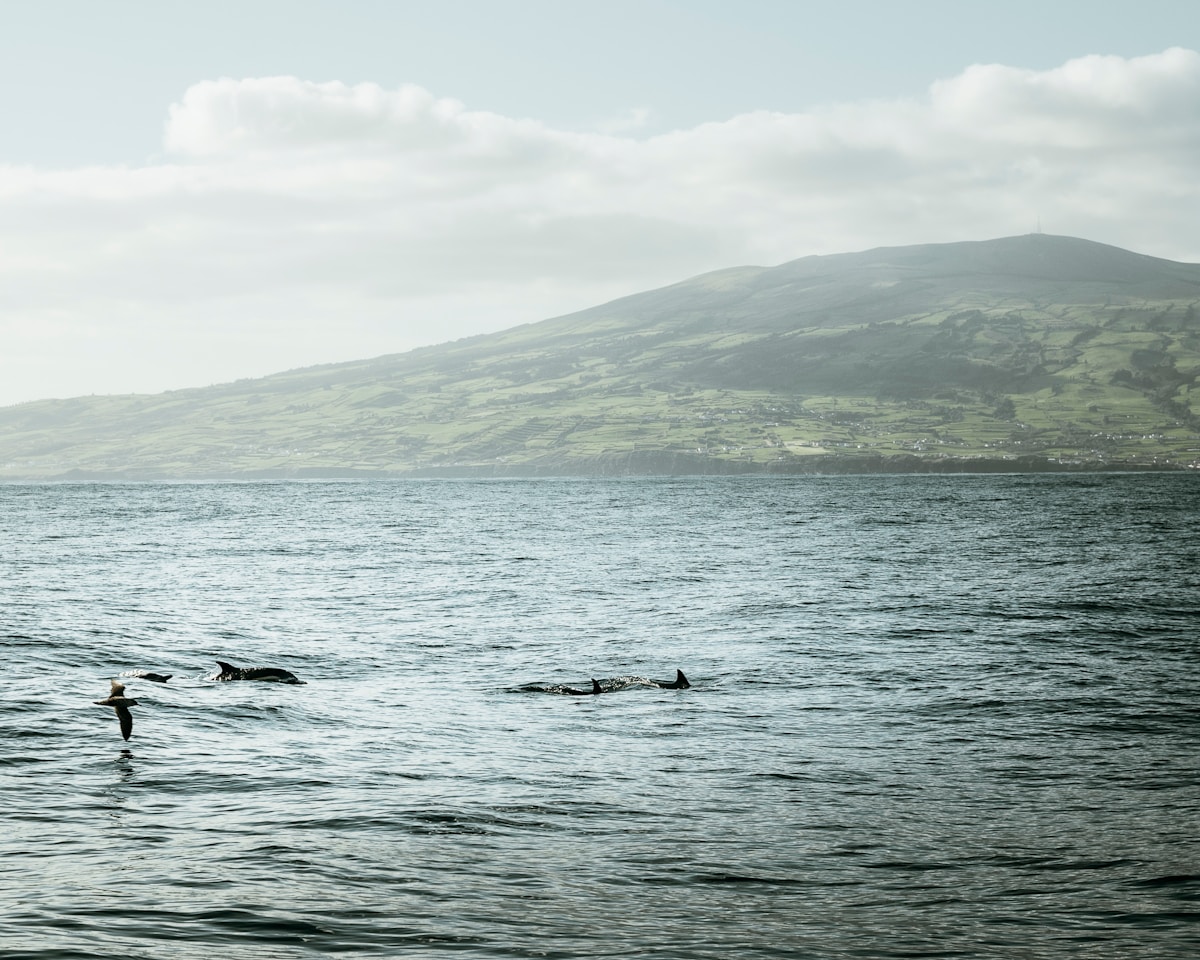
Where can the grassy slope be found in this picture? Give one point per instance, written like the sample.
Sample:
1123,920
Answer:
1040,346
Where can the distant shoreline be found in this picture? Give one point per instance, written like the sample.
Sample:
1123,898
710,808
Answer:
637,465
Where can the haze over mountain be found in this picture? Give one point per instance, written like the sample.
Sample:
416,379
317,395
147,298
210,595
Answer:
1024,352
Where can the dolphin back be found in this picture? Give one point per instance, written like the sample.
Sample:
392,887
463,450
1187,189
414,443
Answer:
269,674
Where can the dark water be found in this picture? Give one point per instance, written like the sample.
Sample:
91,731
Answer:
930,717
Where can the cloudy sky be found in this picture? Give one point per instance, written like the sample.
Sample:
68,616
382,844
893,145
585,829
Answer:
194,192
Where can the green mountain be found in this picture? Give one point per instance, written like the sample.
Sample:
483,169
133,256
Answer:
1032,352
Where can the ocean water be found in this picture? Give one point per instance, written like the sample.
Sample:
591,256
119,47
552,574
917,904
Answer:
929,717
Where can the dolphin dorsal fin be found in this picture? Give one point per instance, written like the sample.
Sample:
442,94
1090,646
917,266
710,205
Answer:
680,680
596,686
225,666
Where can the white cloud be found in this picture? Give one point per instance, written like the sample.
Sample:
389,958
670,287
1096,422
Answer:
290,222
224,116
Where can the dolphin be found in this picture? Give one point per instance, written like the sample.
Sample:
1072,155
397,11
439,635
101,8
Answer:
576,692
147,675
679,683
121,703
616,684
560,688
612,685
270,674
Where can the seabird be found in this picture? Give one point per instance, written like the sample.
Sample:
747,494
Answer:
121,703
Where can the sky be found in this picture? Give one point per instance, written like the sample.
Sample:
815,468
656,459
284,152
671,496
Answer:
198,192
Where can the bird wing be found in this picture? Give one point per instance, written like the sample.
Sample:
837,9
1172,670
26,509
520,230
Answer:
126,719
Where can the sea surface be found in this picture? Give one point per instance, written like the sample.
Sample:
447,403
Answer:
929,717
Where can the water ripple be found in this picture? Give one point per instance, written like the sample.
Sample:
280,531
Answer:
929,717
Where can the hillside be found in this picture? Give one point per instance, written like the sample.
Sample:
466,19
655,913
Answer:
1025,352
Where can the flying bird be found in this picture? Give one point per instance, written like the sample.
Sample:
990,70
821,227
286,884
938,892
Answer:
121,703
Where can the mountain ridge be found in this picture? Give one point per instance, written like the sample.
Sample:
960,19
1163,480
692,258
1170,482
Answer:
1018,352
